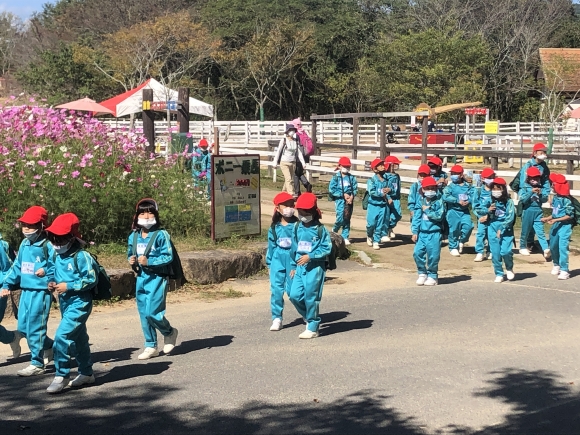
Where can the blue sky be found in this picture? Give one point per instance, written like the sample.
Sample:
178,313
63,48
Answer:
22,8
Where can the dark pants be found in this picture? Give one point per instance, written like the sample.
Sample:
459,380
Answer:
299,177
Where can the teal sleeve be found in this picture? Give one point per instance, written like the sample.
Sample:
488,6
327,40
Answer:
417,216
87,277
50,262
510,216
354,185
569,207
448,195
130,249
324,247
334,187
372,189
271,247
163,254
435,211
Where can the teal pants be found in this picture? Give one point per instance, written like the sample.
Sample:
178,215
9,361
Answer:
342,220
559,242
531,223
376,215
396,213
460,227
33,312
481,237
427,253
71,338
151,293
6,337
501,249
280,281
306,292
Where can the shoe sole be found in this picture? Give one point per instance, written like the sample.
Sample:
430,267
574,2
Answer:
29,375
148,357
90,381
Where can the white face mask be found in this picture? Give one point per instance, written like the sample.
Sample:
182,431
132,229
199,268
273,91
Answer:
433,171
305,219
61,249
288,212
33,236
488,181
344,170
146,223
430,193
496,193
541,156
291,134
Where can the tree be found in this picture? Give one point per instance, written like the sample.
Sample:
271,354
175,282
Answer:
10,32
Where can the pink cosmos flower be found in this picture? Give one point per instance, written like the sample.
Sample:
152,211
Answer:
42,163
60,183
87,185
75,174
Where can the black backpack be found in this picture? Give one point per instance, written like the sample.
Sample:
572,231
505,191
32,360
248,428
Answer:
330,261
576,205
174,269
102,290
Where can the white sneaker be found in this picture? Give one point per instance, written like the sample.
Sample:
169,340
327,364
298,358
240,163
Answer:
510,275
276,325
547,253
149,352
392,234
455,253
48,356
369,241
346,242
478,258
57,385
499,279
30,371
169,341
524,252
376,246
563,275
385,239
461,248
431,281
308,334
489,256
82,380
421,280
555,270
15,345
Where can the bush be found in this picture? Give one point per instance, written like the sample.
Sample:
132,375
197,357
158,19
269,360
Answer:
66,161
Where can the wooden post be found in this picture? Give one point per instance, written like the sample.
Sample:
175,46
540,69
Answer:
354,137
424,139
315,150
494,162
570,171
270,159
148,120
183,109
383,139
216,141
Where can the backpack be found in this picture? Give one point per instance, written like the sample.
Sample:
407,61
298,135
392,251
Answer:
174,269
330,261
306,143
576,205
102,290
365,200
515,183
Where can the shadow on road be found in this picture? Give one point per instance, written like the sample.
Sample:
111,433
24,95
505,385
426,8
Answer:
113,355
454,279
525,275
121,373
333,316
542,403
203,343
338,327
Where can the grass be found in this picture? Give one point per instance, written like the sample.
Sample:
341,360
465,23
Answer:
213,292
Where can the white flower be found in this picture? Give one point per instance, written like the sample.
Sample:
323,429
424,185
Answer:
63,149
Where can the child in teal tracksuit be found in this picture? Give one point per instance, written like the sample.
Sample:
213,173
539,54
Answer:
394,183
500,232
278,256
458,196
343,188
414,195
532,194
74,281
562,220
150,254
33,269
310,249
378,197
7,337
481,201
427,226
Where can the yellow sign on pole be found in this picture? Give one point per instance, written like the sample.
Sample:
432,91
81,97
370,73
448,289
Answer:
473,159
491,127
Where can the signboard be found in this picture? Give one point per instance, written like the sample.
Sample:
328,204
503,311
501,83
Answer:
491,127
160,106
476,111
235,195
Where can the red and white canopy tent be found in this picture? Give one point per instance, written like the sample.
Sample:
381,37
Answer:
132,101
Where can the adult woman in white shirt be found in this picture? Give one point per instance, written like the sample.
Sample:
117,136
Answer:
287,154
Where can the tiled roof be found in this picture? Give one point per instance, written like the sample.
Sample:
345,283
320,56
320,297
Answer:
563,61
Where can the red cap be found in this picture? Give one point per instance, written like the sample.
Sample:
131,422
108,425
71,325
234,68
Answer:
376,162
64,224
393,160
344,161
487,173
499,181
436,161
557,178
428,182
540,147
282,197
562,188
424,169
306,201
457,168
533,172
203,143
34,215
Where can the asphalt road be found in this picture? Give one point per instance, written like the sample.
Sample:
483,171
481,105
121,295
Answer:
468,356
